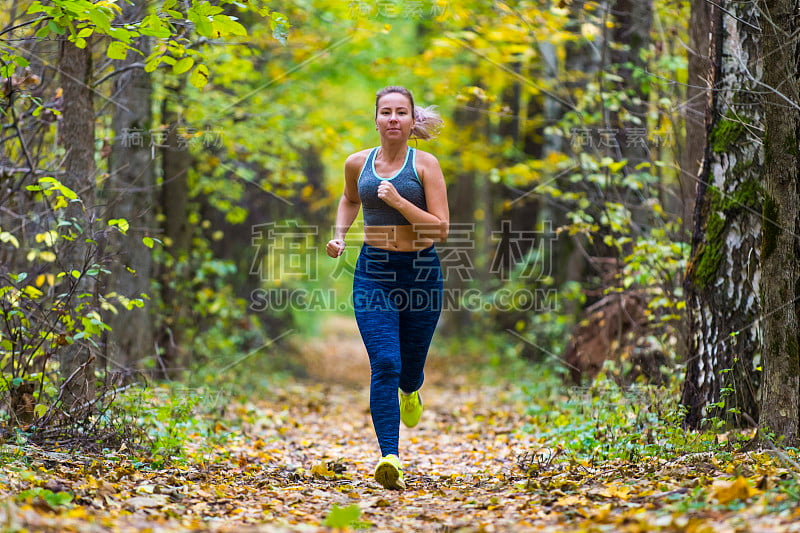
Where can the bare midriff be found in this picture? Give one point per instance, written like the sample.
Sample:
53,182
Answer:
396,238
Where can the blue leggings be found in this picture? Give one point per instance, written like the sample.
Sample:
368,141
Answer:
397,298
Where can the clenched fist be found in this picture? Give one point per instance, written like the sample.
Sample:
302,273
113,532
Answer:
388,193
335,247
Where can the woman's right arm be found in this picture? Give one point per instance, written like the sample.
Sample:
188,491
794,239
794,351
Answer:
349,204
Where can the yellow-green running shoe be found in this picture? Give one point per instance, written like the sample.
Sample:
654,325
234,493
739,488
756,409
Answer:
389,473
410,408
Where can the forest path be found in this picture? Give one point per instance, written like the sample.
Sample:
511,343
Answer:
302,460
460,461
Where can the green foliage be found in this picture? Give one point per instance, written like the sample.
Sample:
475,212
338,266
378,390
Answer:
10,456
214,321
345,517
47,310
606,422
80,20
45,313
171,416
54,500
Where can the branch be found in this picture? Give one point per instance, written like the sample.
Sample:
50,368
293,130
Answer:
45,419
118,71
22,25
15,123
28,170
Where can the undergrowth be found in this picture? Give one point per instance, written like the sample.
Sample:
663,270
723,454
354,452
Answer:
171,416
606,421
634,436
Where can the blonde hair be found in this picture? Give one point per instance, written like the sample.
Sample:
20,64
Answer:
427,121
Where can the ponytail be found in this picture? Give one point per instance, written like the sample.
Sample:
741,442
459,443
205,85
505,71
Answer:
427,123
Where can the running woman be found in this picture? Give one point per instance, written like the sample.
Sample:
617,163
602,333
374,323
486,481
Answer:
397,283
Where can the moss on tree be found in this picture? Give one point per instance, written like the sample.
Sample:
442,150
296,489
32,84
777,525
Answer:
726,132
721,207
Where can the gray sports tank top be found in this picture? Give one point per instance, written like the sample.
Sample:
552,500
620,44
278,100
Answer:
407,183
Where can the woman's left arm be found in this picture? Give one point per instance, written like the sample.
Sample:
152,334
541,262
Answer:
435,222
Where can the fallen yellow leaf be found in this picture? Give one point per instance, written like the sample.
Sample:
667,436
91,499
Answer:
616,491
322,470
727,491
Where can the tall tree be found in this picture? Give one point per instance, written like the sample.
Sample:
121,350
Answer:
177,231
630,36
780,263
76,133
582,61
129,195
696,105
465,196
722,280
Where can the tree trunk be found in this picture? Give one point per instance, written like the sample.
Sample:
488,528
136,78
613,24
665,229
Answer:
722,279
570,261
696,121
130,196
76,133
780,399
694,110
514,210
460,250
176,161
631,34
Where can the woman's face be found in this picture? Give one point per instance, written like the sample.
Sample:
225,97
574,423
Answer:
395,118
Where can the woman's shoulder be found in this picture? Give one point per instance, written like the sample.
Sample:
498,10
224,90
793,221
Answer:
427,166
425,158
357,159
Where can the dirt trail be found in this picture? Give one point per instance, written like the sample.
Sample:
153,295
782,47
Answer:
458,462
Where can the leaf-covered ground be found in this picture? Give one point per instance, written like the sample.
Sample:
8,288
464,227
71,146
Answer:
300,458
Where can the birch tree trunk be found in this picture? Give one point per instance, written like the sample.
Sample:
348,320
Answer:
722,281
780,400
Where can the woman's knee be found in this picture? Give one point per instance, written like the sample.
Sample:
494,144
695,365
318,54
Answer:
385,366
